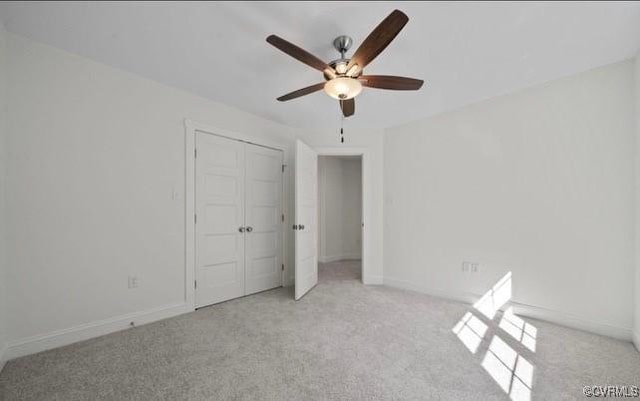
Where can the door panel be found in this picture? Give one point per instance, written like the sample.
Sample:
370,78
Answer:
263,214
220,172
306,208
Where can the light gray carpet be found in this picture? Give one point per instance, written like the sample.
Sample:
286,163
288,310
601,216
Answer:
342,341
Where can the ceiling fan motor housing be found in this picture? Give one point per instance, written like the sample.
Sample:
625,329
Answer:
340,67
342,43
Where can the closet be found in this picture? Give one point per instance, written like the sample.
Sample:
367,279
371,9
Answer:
238,218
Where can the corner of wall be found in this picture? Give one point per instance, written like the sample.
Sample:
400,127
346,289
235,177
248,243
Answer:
3,356
3,261
636,326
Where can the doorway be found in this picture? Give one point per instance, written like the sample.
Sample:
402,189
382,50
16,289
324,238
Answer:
340,217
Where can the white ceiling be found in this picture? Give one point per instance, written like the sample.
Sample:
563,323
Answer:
464,51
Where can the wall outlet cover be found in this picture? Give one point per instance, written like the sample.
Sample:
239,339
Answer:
133,282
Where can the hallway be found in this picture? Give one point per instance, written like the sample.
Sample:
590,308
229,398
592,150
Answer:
340,271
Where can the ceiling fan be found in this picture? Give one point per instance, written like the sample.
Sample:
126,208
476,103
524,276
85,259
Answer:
343,77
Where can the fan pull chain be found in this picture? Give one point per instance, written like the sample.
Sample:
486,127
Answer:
342,130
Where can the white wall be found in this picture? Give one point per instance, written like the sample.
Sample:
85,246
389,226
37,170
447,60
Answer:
95,192
3,120
636,332
539,183
94,156
340,208
352,208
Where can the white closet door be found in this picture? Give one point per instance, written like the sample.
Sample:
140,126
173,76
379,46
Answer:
220,174
263,243
306,205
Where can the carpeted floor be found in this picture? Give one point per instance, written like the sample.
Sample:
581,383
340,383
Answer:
342,341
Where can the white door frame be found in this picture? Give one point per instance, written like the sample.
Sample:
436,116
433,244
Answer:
366,200
191,127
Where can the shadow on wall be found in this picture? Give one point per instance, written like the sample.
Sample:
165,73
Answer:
511,371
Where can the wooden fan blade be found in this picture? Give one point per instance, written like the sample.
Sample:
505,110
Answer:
390,82
348,107
378,40
301,92
300,54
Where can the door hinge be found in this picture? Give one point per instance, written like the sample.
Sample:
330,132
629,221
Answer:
283,167
195,153
195,219
195,284
283,217
283,267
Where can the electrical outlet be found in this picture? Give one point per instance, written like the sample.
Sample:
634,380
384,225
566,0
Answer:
133,282
470,267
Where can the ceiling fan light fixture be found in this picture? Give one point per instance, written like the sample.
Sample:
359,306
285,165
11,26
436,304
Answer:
353,71
344,76
343,88
341,67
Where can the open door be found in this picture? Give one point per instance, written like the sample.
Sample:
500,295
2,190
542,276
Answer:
306,228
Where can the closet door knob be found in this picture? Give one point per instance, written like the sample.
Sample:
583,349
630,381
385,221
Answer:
249,229
241,229
300,226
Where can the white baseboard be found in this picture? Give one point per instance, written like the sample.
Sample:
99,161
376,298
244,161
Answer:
335,258
575,322
372,280
532,311
3,357
59,338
